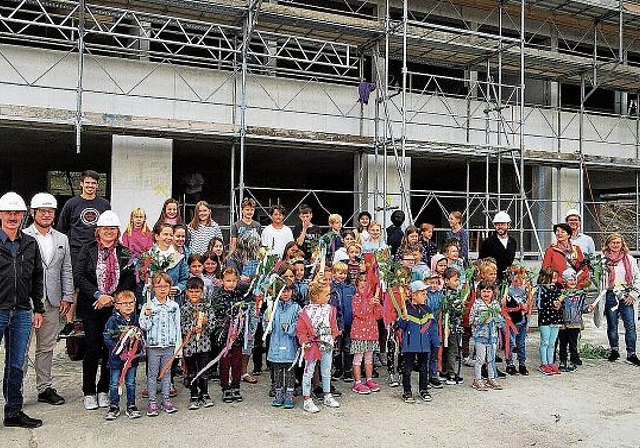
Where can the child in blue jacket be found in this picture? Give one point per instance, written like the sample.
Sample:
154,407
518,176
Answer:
123,338
341,297
419,339
283,347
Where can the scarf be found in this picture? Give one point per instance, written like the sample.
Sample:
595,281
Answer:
107,268
611,265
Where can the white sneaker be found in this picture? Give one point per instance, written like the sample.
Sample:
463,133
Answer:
90,402
392,380
330,402
310,406
469,362
103,400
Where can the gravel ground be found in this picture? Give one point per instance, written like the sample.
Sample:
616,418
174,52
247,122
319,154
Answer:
597,406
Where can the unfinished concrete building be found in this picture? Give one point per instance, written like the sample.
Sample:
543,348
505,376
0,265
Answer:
427,106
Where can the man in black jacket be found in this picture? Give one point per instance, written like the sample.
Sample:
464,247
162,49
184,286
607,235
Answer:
500,245
20,285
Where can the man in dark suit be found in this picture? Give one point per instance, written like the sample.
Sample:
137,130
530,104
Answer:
500,245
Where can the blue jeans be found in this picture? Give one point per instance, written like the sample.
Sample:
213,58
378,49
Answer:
614,310
15,326
548,336
325,374
129,382
518,343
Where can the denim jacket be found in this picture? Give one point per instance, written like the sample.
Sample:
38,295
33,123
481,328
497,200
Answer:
163,325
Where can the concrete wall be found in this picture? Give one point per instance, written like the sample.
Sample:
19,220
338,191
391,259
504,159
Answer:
137,88
140,175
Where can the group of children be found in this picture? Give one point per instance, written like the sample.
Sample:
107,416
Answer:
325,310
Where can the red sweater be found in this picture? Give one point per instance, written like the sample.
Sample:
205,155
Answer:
365,318
555,257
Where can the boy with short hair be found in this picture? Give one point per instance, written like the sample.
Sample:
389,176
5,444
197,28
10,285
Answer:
276,235
245,224
306,234
123,338
197,316
434,301
332,240
451,307
341,297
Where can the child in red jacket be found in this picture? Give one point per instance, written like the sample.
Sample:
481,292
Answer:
364,334
317,330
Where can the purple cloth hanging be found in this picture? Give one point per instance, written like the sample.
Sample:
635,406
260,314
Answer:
364,90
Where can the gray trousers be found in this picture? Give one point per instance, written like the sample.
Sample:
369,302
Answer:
46,339
157,357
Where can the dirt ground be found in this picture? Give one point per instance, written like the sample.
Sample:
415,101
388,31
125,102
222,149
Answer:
596,406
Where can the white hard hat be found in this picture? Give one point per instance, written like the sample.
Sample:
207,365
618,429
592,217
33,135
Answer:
108,218
572,212
43,200
12,202
501,217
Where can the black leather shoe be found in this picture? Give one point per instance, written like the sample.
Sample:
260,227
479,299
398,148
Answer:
22,420
49,395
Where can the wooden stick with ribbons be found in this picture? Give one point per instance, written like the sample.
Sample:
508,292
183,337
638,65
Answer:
167,366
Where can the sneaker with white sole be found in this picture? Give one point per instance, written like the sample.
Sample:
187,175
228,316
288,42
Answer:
372,385
392,380
330,402
310,406
103,400
90,402
133,412
113,413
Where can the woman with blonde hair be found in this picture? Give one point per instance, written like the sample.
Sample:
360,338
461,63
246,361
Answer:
622,283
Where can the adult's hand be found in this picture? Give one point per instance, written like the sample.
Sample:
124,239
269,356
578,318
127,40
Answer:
37,320
64,308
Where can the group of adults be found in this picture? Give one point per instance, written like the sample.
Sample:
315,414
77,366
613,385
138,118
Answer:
40,267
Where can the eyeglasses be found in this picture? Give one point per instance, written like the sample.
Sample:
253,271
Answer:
409,260
125,303
46,211
162,286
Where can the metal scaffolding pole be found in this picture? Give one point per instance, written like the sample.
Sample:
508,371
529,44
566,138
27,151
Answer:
80,88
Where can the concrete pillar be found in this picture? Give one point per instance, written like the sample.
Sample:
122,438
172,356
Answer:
383,205
141,170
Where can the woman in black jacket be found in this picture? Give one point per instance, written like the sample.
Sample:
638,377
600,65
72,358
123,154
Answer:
103,268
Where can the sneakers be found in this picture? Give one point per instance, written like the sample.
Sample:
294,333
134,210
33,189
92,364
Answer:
633,359
511,370
337,375
288,400
435,382
493,384
372,385
335,392
194,404
22,420
554,369
153,410
237,396
310,406
227,396
392,380
469,362
113,413
133,412
330,402
90,402
347,377
425,395
279,399
500,374
206,401
407,397
479,385
169,407
144,393
546,369
50,395
571,368
173,392
614,355
523,370
103,400
256,372
454,380
361,388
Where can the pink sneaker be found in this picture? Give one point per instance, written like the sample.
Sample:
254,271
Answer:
554,369
372,385
361,388
546,369
169,407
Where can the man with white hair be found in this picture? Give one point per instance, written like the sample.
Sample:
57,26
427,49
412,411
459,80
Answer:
585,242
21,305
58,290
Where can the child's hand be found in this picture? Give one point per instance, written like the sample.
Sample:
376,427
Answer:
375,300
284,326
556,304
591,308
196,330
503,302
148,311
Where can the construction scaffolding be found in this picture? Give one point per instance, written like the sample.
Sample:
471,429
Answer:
483,84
